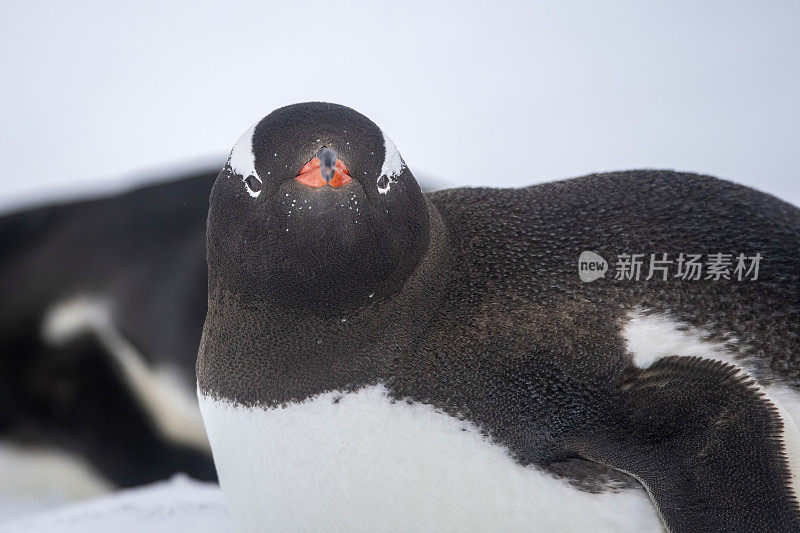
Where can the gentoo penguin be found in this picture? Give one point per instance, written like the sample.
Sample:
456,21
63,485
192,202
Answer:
379,359
102,304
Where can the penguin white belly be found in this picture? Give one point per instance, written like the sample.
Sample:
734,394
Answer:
359,461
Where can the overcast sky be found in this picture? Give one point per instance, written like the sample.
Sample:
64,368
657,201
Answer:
99,94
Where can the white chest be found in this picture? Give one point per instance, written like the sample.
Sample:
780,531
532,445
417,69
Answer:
364,463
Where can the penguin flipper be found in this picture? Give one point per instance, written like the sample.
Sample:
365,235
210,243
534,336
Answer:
707,445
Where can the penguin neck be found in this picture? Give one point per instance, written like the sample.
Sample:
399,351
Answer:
270,356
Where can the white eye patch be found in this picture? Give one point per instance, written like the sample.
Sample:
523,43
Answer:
243,162
392,165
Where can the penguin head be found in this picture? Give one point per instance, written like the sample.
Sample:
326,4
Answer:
315,209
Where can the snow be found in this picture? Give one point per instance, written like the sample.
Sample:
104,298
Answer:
179,504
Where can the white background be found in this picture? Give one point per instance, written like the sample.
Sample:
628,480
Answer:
100,94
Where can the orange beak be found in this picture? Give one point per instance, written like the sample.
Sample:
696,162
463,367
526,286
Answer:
311,175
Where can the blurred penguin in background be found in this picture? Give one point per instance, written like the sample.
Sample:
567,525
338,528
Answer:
102,303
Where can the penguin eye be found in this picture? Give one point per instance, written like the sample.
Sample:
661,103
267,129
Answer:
383,184
253,185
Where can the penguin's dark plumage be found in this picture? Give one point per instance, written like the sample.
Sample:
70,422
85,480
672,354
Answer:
374,357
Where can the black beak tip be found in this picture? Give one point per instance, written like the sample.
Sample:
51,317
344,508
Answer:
327,161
